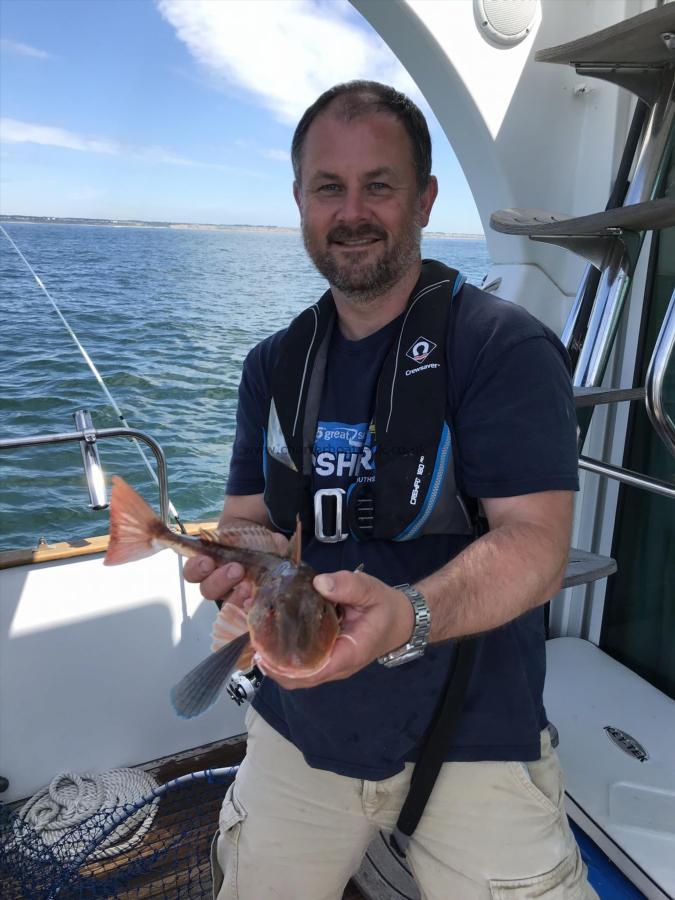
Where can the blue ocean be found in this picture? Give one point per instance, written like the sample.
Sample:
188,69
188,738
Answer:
167,315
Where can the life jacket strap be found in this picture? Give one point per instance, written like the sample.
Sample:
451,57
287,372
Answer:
439,737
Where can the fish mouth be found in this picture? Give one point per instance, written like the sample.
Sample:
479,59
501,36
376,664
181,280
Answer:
269,668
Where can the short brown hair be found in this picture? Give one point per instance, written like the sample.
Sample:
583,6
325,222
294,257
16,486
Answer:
358,98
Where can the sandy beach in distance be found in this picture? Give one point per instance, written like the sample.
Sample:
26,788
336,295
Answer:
192,226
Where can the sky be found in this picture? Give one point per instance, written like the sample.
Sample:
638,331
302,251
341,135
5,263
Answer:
181,110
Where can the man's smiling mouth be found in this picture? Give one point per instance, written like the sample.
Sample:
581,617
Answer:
360,242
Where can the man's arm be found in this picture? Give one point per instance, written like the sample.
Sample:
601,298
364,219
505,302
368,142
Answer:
217,582
242,511
515,567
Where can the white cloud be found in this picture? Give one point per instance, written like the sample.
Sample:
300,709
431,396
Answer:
20,49
285,52
281,155
12,131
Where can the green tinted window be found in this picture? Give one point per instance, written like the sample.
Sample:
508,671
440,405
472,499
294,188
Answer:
639,622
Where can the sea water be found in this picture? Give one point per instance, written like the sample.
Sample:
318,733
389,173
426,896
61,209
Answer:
167,316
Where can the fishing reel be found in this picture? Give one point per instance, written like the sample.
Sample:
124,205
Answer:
243,685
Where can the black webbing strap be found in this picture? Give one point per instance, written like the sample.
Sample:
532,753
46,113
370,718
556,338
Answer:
435,746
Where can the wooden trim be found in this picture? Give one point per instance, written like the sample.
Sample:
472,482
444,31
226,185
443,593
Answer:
226,752
71,549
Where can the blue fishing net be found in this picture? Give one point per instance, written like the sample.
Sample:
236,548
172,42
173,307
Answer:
158,846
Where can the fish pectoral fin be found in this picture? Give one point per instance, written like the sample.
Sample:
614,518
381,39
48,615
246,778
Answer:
201,687
295,543
245,661
249,537
230,622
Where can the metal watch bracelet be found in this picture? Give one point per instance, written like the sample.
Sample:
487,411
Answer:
419,639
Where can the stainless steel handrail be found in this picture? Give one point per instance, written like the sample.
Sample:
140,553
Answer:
627,476
66,436
656,373
650,170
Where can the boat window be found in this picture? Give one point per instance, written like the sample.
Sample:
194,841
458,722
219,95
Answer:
639,618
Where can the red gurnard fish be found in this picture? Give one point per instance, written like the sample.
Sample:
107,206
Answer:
290,629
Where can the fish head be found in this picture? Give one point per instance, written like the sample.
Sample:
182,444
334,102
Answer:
293,628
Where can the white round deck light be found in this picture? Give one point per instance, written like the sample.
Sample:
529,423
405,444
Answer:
505,23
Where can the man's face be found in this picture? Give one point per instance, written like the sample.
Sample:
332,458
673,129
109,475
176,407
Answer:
361,209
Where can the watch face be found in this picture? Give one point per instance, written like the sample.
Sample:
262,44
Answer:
403,655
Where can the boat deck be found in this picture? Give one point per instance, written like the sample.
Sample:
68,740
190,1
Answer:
172,861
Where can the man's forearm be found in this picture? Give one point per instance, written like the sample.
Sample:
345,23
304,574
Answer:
503,574
241,511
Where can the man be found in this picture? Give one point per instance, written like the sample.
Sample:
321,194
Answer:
384,413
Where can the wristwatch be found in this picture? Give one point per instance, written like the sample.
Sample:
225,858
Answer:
420,636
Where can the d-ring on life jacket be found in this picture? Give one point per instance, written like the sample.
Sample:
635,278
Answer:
414,491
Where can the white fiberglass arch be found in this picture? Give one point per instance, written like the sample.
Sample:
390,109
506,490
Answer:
526,134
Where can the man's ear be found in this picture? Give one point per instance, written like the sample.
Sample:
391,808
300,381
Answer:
297,194
427,199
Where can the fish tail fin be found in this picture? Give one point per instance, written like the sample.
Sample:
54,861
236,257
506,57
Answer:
133,525
201,687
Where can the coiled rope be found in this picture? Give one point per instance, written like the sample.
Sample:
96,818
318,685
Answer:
70,799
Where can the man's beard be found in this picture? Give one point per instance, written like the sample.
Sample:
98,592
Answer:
363,281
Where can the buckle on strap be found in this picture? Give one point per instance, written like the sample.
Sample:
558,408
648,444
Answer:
328,509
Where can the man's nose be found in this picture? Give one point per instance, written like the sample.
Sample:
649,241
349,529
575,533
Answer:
354,207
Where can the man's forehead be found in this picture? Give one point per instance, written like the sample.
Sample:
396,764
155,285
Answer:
348,117
328,125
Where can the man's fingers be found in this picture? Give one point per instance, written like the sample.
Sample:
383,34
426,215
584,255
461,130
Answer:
352,588
220,583
214,581
196,568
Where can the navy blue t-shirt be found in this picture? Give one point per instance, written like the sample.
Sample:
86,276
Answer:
514,433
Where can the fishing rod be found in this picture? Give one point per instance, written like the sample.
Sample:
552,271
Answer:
95,372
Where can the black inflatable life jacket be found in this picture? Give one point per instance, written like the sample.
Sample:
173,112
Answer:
414,490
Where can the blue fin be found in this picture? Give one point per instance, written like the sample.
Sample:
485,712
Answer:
201,687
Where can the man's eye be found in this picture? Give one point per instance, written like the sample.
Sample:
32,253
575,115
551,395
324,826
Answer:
378,186
328,188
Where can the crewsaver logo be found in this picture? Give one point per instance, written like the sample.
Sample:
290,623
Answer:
421,349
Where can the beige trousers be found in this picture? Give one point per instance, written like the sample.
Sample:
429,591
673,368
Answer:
490,830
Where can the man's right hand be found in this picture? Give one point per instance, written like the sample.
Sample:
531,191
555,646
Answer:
219,582
227,582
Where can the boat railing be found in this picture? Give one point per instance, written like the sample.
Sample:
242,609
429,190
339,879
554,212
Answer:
658,366
90,435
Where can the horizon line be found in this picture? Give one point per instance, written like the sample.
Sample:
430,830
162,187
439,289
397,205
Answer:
157,223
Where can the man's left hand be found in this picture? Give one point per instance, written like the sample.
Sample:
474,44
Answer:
376,619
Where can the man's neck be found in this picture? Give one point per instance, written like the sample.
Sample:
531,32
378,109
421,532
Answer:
358,319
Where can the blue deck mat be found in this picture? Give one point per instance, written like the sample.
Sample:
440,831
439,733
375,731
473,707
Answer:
609,882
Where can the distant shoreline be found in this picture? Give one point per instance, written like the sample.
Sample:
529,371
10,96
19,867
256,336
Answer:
187,226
